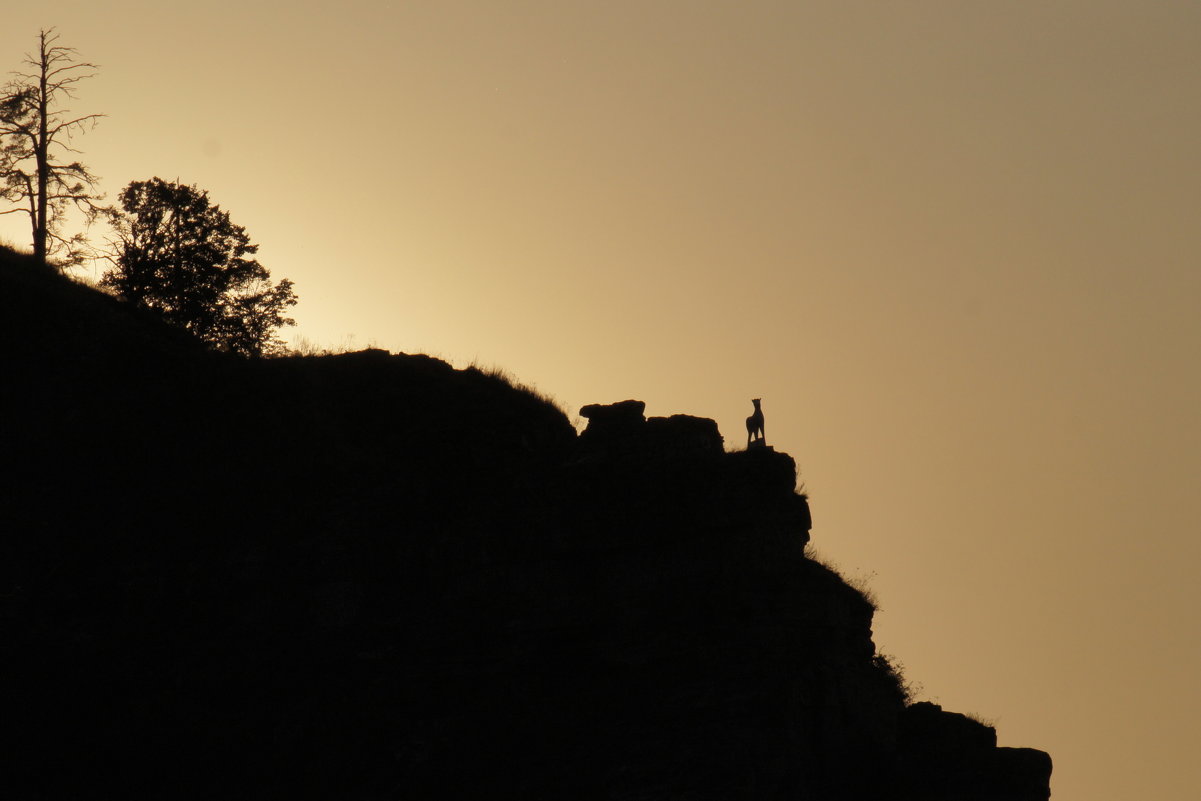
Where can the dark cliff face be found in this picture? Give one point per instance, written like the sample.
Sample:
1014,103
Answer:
374,576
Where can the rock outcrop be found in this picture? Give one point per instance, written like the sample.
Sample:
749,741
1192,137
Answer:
946,756
621,429
374,576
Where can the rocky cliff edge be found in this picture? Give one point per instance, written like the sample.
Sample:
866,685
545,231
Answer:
372,576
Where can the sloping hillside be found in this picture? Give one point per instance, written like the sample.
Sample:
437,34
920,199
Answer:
373,576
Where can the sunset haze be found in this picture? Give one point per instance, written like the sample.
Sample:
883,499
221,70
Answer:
953,246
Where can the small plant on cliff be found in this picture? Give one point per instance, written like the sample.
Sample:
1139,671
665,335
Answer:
894,671
507,377
990,723
860,582
303,346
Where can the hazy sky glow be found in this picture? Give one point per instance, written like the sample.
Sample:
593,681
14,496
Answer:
953,245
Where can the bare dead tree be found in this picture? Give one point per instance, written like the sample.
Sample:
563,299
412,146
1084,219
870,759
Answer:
35,133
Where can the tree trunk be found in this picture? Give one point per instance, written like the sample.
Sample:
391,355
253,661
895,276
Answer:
42,155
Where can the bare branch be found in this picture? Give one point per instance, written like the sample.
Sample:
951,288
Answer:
94,119
72,167
77,198
80,66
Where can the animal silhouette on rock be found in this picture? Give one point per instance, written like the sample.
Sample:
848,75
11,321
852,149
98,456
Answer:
754,425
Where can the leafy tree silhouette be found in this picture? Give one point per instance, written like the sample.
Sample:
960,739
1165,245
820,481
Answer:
33,175
178,253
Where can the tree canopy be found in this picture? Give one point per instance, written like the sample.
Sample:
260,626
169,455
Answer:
37,172
180,254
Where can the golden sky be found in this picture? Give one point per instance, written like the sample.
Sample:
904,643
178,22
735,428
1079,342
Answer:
952,244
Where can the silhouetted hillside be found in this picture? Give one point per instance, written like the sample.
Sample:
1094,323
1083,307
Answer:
373,576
